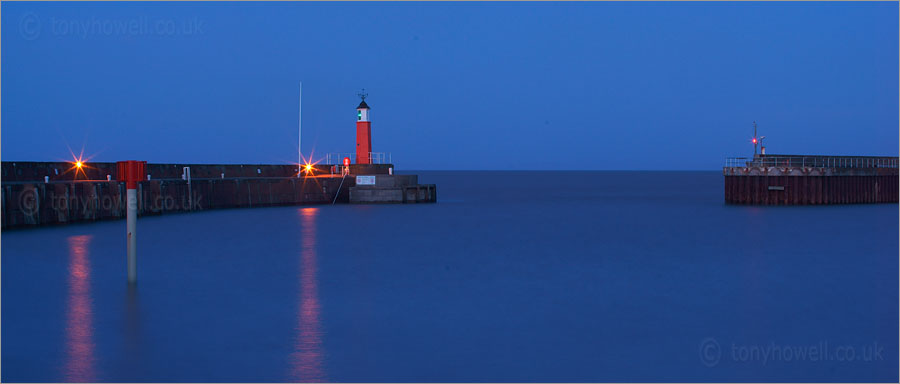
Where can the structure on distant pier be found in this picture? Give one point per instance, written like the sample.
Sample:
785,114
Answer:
810,179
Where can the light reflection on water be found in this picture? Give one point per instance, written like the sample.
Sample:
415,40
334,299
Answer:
580,284
80,359
306,360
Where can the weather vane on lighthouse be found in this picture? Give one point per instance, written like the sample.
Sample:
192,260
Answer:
362,94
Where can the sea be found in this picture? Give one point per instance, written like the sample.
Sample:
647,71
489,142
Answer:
574,276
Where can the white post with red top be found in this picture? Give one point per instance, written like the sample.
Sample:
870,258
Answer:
131,172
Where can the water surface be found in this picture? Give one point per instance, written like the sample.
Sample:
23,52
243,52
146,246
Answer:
512,276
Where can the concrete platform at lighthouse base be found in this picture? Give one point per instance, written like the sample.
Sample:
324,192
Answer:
387,188
416,193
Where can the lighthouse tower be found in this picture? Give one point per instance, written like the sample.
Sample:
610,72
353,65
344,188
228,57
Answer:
363,131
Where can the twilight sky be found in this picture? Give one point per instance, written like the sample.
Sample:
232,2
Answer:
451,85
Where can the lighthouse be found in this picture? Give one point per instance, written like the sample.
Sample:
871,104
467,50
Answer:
363,131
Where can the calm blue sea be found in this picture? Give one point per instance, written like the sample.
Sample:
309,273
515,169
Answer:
512,276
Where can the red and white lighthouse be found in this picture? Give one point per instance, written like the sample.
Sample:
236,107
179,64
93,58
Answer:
363,132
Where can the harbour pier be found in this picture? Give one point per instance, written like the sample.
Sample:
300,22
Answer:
47,193
810,179
50,193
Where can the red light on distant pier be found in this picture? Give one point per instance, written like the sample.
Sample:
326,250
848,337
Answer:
754,140
346,161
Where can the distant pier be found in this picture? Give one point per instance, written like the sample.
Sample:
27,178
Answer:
49,193
810,180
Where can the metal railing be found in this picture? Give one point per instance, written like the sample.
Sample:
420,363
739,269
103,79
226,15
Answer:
337,158
380,158
735,162
813,161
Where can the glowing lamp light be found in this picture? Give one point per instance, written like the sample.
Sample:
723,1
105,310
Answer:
308,168
346,161
78,164
754,140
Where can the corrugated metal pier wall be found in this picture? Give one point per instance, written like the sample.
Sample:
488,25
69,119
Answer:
807,190
811,180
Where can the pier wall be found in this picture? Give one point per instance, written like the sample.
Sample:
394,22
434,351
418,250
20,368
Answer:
811,190
29,201
811,180
65,171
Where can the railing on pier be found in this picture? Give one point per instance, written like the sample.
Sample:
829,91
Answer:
380,158
735,162
337,158
812,161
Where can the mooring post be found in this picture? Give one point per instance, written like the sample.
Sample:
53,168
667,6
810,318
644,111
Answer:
131,229
131,172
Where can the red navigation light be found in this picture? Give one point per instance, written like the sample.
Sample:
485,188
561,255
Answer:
346,161
754,140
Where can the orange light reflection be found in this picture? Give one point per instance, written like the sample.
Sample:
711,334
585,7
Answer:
306,360
79,314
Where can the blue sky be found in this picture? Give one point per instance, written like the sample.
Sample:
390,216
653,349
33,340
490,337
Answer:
451,85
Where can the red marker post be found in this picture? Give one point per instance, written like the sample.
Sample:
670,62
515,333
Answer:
131,172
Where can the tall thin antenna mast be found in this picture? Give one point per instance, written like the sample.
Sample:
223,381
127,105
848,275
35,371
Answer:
300,131
755,141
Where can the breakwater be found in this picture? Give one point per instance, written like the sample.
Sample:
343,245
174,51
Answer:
811,180
48,193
